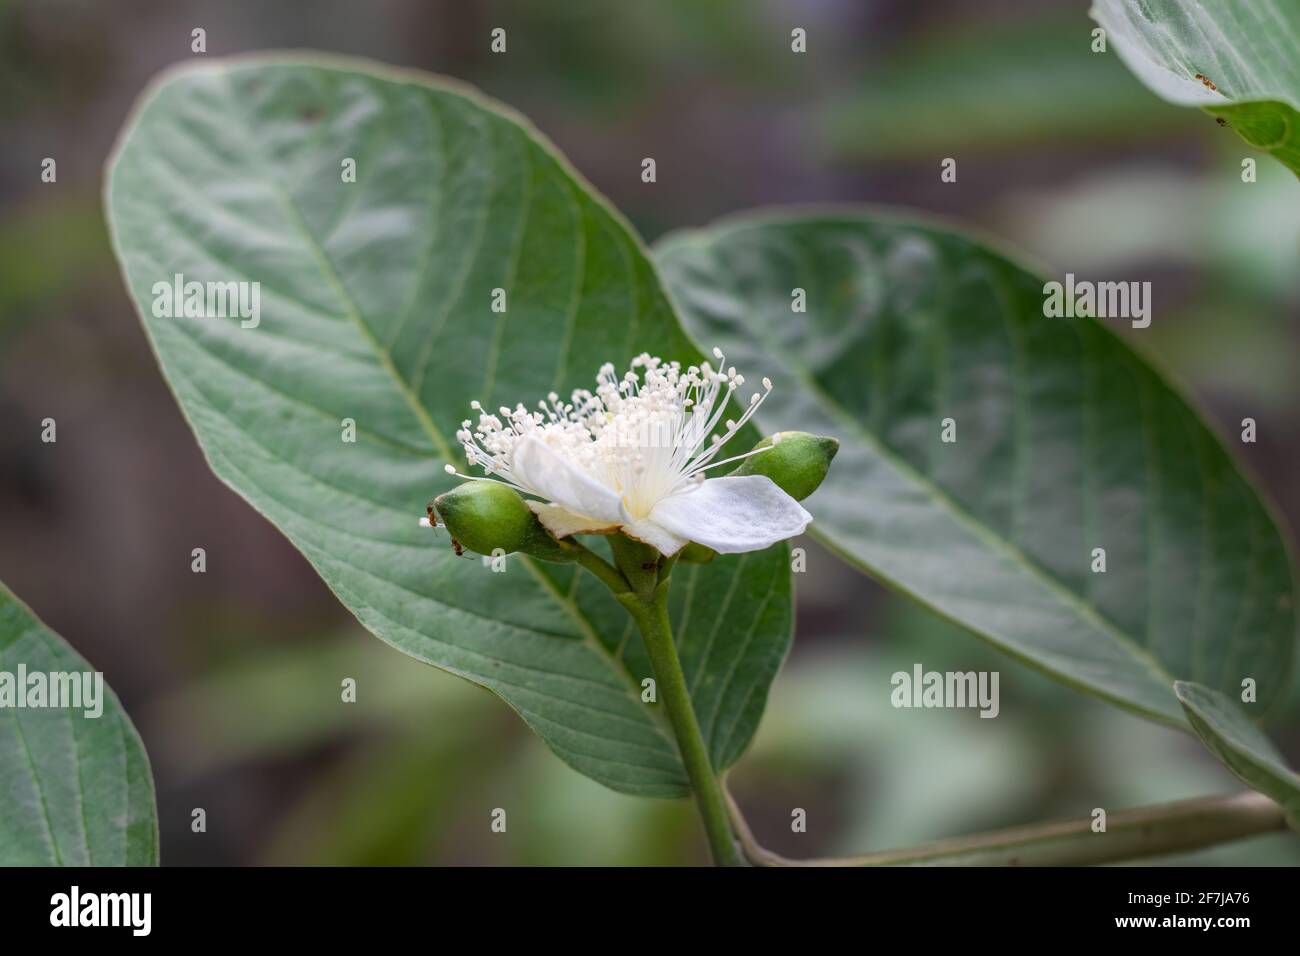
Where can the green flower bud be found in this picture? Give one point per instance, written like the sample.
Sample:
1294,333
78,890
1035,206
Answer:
695,553
486,515
797,462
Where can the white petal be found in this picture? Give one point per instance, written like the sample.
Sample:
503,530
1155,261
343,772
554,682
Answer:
731,515
561,522
656,535
539,468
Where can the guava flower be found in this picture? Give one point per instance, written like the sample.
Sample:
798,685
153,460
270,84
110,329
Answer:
632,457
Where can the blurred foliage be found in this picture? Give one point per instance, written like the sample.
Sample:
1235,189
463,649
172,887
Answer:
51,252
1226,253
616,56
410,772
989,85
903,776
416,766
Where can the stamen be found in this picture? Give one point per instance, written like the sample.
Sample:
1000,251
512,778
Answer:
645,433
714,464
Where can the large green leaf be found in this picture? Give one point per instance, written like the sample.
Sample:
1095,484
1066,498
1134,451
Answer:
75,789
1248,49
376,306
1243,747
1066,441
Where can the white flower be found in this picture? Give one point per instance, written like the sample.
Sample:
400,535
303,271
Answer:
632,457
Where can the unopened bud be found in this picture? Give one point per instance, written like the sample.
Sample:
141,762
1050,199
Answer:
486,515
795,461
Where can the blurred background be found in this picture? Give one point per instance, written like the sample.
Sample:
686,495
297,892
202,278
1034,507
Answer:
233,676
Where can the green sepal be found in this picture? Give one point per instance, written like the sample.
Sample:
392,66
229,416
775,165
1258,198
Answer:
694,553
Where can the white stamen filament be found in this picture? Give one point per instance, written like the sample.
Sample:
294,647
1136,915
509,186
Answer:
644,435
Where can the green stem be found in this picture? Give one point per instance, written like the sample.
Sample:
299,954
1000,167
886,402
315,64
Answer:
1130,834
608,574
656,630
640,583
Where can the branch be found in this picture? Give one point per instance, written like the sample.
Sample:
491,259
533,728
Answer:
1130,834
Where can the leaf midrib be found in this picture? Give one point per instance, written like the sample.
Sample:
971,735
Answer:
330,274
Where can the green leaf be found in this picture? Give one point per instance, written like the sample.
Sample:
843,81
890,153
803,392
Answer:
1246,48
1066,441
75,789
1243,748
376,307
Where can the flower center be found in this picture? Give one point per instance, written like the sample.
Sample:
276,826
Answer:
645,435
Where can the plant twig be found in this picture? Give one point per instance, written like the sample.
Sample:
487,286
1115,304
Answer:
1130,834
